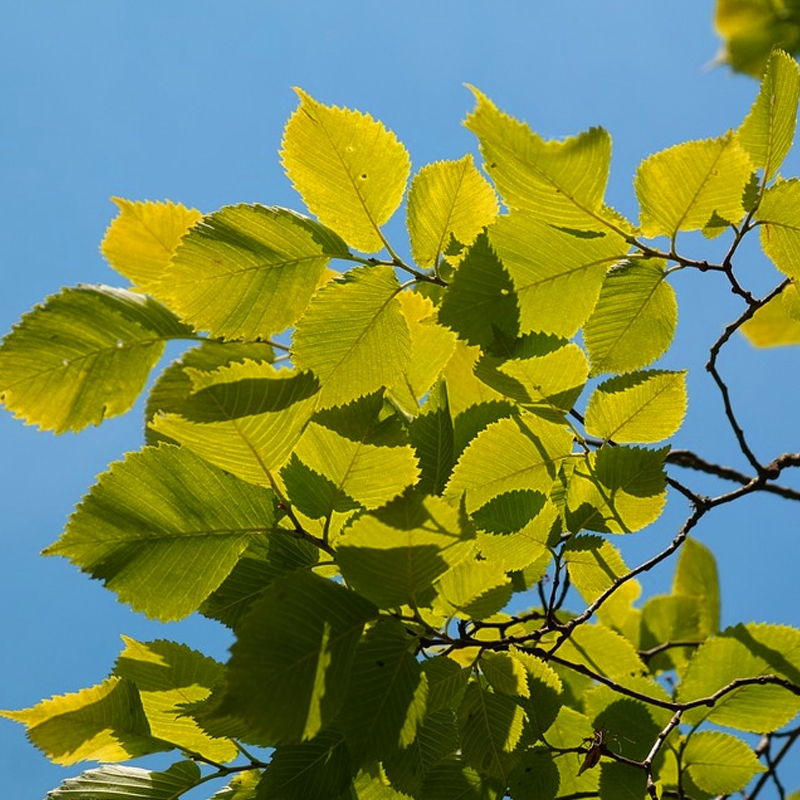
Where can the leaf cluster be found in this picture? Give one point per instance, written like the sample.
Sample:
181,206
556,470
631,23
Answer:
365,460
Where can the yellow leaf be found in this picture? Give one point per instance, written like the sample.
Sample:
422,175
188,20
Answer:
349,169
140,241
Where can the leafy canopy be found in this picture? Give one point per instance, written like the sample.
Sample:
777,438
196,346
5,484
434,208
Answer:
365,460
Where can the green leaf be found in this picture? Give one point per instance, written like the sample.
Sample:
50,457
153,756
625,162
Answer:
473,590
775,323
368,474
385,704
513,453
768,130
437,738
113,782
516,529
173,389
505,674
140,242
350,171
634,321
446,683
491,726
394,555
557,274
289,668
432,345
720,763
244,418
242,787
321,767
431,435
639,407
168,676
448,198
539,371
779,215
696,576
268,557
603,651
570,730
354,335
543,700
752,29
372,785
744,651
616,490
622,782
104,723
453,780
683,187
480,300
562,183
163,529
535,777
82,356
248,271
594,564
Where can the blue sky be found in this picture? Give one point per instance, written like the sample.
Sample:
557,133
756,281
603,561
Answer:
187,101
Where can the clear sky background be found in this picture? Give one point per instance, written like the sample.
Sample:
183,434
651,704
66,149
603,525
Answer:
187,101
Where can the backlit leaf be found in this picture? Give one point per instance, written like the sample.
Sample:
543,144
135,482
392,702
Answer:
84,355
775,323
244,418
141,240
393,555
617,490
350,171
104,723
744,651
248,271
768,130
480,299
168,675
289,667
681,188
513,453
354,336
557,274
720,763
491,727
388,691
779,215
634,321
431,434
562,183
163,529
448,198
638,407
473,589
696,576
112,782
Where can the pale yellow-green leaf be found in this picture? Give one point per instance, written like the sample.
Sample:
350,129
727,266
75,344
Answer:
681,188
561,183
719,763
168,675
163,529
103,723
776,323
447,198
248,271
473,589
432,345
603,651
244,418
506,674
83,356
349,169
369,474
616,490
463,388
638,407
557,275
354,336
768,130
634,320
779,215
744,651
141,240
513,453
